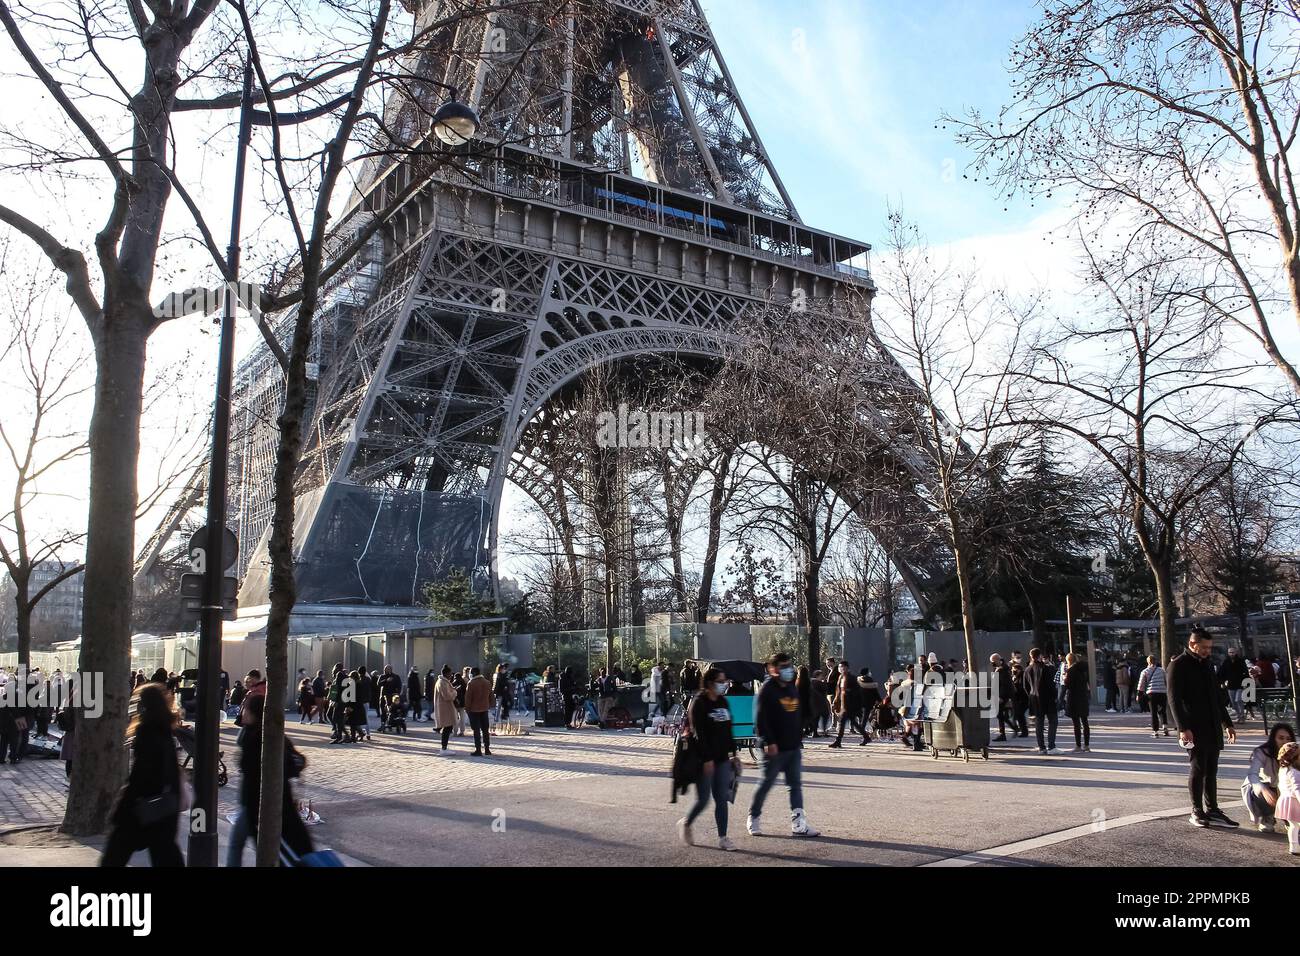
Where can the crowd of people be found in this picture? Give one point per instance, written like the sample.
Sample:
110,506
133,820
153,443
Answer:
795,704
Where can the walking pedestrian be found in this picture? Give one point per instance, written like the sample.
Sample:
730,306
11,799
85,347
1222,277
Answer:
568,692
709,723
1109,678
444,695
460,681
780,730
1233,674
413,695
1040,688
147,808
1198,705
1003,690
1123,683
1153,683
293,832
1019,699
478,700
847,703
1075,685
319,690
501,691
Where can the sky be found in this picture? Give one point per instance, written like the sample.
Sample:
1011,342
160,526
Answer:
846,95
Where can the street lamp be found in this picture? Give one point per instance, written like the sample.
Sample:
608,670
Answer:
454,123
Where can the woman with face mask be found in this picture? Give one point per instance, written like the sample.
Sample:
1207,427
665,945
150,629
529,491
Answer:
710,725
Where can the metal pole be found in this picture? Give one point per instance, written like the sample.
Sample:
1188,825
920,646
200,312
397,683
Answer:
1069,623
203,817
1290,660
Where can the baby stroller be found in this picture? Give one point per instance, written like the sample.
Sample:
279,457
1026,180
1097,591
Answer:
394,716
185,739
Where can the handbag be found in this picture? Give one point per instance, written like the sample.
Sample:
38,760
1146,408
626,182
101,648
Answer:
151,810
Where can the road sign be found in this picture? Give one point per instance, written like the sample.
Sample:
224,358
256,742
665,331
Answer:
1096,611
198,550
192,594
1279,603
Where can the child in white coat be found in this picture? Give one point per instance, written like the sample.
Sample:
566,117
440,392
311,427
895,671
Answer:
1288,801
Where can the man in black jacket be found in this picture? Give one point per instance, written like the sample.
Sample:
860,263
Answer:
1197,705
1040,685
1003,688
779,726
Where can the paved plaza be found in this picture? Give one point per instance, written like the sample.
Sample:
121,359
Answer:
590,797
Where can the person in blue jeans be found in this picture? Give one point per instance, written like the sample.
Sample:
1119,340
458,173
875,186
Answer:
779,726
709,724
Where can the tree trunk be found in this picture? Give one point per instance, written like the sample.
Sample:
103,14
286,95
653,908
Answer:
811,591
23,621
967,606
100,764
1164,575
717,501
284,587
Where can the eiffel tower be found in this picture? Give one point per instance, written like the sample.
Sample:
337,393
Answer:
620,203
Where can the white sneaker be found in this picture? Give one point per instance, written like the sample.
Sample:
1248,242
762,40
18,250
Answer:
799,825
1110,710
684,832
753,826
1264,827
1056,751
724,843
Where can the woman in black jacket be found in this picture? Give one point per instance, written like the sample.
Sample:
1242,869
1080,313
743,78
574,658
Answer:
293,832
710,728
1075,685
413,693
501,691
147,807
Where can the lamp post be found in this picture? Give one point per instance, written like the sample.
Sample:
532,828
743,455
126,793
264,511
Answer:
454,124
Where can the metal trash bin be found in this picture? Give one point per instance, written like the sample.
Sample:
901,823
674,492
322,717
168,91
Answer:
548,706
962,729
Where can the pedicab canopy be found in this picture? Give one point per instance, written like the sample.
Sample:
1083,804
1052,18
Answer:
738,672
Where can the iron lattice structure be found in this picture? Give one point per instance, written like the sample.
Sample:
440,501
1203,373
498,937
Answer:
619,203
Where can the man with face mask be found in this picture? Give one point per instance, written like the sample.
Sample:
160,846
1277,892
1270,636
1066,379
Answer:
779,726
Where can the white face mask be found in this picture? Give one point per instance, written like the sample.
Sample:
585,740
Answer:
722,686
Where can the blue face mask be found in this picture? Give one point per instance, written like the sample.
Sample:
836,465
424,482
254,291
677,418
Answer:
721,687
787,673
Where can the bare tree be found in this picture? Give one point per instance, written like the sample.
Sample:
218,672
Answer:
958,347
1147,383
1241,523
1180,115
41,436
861,589
328,64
